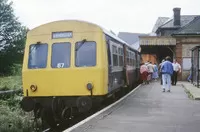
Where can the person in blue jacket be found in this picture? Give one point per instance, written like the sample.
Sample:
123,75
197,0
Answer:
167,72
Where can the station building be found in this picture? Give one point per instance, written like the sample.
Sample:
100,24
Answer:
174,37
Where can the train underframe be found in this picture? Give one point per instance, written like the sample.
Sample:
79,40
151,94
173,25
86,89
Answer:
59,109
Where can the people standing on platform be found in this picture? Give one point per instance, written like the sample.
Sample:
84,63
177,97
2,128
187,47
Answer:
155,72
150,69
177,69
167,72
144,73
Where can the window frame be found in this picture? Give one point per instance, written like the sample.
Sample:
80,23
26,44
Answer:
69,53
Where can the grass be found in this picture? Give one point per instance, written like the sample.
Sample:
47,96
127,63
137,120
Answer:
12,118
11,82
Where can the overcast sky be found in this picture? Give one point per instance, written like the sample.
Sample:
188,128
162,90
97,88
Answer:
137,16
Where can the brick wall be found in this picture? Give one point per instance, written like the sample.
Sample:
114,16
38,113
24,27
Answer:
179,55
183,46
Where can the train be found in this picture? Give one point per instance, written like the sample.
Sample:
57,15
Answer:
70,66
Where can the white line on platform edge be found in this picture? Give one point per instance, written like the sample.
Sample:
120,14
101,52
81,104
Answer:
101,111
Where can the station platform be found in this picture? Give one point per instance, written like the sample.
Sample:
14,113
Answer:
148,109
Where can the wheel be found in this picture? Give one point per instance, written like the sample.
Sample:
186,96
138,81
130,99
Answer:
57,106
84,104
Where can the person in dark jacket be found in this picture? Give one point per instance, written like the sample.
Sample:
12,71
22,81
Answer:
167,72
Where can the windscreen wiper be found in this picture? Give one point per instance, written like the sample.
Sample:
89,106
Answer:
35,47
82,42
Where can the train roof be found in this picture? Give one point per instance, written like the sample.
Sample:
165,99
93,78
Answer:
115,37
103,29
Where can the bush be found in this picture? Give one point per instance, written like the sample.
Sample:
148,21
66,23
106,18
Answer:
11,82
16,70
13,119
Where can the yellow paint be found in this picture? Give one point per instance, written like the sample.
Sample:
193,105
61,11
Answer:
70,81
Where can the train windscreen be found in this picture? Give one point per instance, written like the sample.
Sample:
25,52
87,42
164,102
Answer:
37,56
85,55
61,54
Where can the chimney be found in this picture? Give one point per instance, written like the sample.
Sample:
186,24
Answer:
177,16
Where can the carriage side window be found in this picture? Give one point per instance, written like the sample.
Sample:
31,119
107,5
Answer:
127,57
37,56
121,54
85,54
61,54
109,53
115,55
131,58
134,59
138,61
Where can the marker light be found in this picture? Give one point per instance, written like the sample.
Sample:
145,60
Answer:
89,86
33,88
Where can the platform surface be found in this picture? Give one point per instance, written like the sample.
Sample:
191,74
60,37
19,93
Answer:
192,90
148,109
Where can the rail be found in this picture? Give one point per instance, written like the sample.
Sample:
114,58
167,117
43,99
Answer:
10,92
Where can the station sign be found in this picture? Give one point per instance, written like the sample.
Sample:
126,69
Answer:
151,40
67,34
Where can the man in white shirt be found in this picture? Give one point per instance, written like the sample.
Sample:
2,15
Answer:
177,69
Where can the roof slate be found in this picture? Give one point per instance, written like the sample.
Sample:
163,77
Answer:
160,21
191,28
185,19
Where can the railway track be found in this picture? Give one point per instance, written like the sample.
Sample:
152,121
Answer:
75,121
10,92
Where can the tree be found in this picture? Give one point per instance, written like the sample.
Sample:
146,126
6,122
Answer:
12,38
